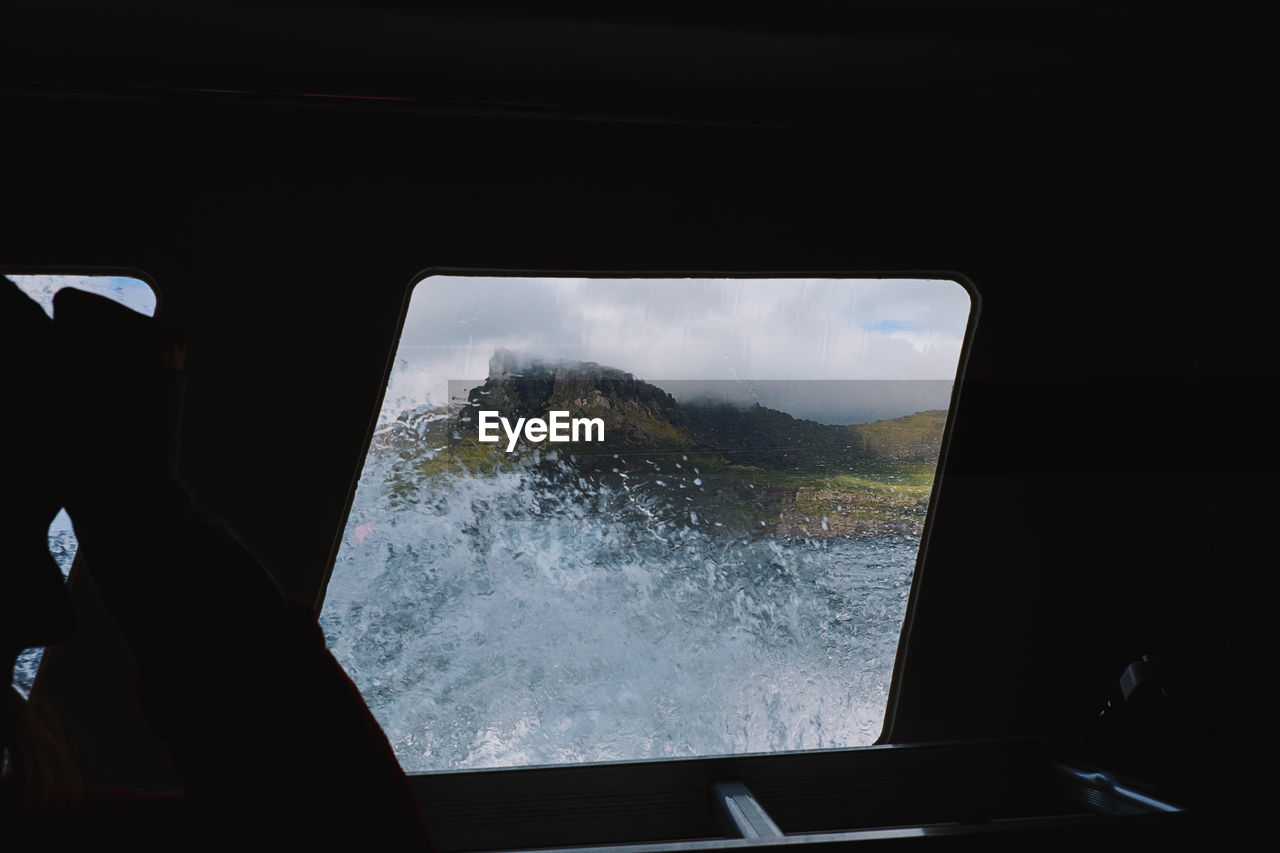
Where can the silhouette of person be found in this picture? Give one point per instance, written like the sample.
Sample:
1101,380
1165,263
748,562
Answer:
271,738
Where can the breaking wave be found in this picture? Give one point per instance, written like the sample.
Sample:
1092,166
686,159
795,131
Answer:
523,618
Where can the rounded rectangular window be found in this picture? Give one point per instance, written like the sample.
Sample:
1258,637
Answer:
614,519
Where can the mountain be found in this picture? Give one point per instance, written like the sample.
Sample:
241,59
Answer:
750,468
636,415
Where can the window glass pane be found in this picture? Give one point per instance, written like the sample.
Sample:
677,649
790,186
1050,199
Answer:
708,551
131,292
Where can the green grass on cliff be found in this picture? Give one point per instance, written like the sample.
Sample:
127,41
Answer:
910,438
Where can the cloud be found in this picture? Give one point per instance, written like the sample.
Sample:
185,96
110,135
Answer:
686,329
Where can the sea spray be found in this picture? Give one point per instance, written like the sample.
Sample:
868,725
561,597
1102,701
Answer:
532,616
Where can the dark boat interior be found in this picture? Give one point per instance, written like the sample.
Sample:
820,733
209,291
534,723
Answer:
1070,671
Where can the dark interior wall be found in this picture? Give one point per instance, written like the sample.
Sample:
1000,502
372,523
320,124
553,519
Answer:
1075,528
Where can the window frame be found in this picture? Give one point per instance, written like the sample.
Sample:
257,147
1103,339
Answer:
650,800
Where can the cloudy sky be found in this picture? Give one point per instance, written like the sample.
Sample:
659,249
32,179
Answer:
754,336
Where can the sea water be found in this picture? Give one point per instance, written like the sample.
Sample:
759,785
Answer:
505,620
62,547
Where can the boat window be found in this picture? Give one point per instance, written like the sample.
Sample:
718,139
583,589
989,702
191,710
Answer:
131,292
610,519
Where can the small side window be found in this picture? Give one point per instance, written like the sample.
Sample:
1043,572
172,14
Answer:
131,292
620,519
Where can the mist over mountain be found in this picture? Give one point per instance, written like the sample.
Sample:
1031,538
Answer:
824,401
